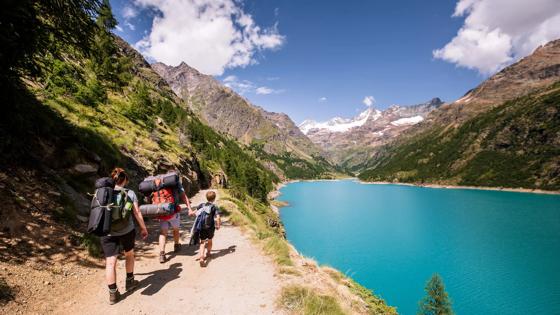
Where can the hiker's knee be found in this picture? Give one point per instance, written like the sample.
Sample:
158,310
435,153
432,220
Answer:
163,232
111,262
130,253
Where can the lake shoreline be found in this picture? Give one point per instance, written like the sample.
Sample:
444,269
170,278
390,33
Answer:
276,192
440,186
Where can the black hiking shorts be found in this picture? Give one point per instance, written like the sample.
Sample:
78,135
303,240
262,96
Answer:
110,244
207,234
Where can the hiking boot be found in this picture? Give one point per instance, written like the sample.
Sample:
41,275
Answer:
114,296
177,247
161,257
131,284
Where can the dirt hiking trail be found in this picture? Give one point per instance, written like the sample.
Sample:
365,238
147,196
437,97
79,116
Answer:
238,279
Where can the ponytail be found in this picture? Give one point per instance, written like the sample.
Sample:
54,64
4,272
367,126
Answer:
119,176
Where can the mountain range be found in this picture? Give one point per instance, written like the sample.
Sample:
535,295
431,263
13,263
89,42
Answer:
503,133
350,142
430,142
274,137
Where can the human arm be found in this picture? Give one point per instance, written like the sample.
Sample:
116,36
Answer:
192,212
218,221
217,218
140,220
186,201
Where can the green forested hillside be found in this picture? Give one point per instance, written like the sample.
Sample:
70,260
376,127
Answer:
516,144
294,167
104,106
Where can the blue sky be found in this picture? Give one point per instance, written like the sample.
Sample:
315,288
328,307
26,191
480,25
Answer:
320,59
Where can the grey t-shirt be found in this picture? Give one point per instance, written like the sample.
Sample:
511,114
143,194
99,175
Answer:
130,226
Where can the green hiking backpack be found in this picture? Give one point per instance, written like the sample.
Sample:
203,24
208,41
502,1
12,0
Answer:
121,209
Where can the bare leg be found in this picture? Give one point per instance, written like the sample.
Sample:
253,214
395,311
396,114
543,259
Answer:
129,258
111,269
201,251
176,235
162,239
209,246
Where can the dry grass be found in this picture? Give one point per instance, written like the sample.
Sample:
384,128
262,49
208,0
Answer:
303,300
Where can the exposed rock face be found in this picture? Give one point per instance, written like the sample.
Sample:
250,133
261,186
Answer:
352,141
228,112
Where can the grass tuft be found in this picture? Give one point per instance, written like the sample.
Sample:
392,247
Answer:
302,300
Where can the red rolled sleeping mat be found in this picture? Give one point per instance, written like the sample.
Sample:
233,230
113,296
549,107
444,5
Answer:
156,210
169,180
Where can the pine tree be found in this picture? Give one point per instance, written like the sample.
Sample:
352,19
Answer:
31,29
105,50
437,301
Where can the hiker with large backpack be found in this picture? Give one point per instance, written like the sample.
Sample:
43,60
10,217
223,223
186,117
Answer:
111,218
165,192
206,223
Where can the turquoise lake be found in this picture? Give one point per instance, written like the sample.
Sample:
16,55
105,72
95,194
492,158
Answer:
497,252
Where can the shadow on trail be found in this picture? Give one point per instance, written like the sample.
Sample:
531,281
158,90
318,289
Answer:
217,253
157,279
186,250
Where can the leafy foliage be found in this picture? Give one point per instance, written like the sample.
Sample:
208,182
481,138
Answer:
436,301
28,27
512,145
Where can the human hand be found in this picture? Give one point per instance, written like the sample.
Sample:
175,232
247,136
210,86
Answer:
144,233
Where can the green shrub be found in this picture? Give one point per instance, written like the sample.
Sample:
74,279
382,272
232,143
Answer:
92,244
92,92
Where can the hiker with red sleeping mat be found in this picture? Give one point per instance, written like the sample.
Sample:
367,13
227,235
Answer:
172,221
166,193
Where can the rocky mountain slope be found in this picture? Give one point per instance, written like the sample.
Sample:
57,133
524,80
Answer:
226,111
505,132
350,142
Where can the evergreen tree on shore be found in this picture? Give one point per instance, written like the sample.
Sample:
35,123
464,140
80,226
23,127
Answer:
437,301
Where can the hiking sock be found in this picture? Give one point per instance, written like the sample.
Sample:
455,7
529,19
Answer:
129,275
113,287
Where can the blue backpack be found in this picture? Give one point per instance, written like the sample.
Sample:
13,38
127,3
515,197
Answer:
205,219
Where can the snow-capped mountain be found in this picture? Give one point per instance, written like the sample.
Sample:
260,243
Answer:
351,140
339,124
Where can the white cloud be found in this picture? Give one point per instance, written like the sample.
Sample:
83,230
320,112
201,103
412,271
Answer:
129,12
245,86
240,86
263,90
322,99
118,28
210,35
498,32
368,100
129,25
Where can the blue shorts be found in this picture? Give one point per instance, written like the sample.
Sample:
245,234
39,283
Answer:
174,222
